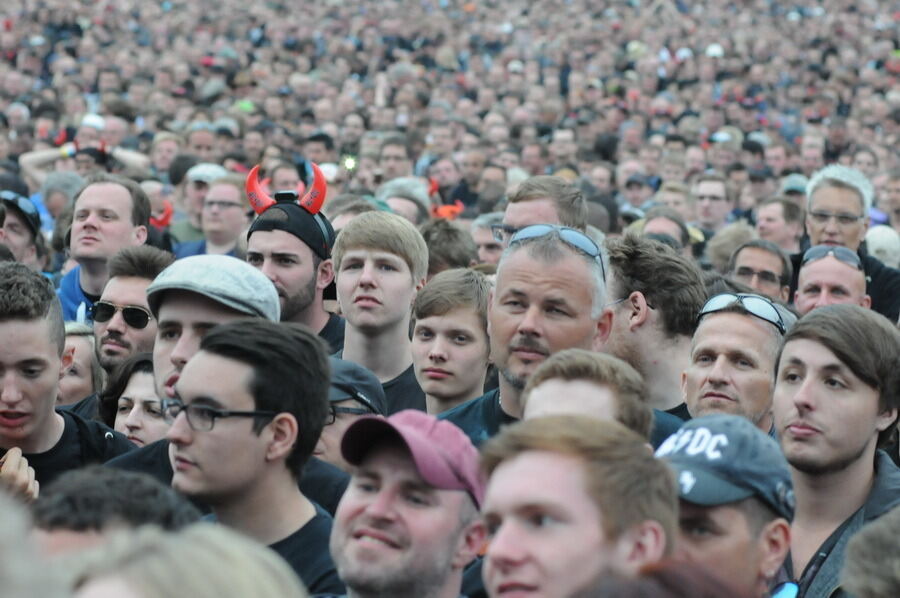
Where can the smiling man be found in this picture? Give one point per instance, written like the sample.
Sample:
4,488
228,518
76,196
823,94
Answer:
408,524
238,441
837,395
111,213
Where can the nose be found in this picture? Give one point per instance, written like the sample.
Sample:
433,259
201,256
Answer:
438,349
718,373
188,344
382,505
532,321
133,420
10,393
117,322
179,432
367,275
506,546
268,269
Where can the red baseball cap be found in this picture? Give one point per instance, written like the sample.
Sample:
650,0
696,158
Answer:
443,454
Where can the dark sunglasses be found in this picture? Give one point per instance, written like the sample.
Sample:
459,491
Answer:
135,316
570,236
843,254
756,305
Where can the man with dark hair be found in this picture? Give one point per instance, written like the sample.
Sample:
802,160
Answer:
780,220
763,266
714,202
836,402
318,148
80,507
110,213
292,247
736,500
449,246
654,298
33,359
394,159
247,413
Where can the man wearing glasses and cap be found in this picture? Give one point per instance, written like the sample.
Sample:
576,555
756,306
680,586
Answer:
830,275
732,358
550,295
238,441
837,213
736,501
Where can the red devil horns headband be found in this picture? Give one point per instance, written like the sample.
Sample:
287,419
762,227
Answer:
311,201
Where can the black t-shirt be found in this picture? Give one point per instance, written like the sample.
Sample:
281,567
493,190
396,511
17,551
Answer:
87,407
664,425
82,443
306,551
479,418
404,392
680,411
321,482
333,333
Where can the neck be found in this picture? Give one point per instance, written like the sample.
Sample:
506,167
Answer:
315,316
449,589
218,245
269,510
43,440
93,276
827,500
662,370
435,405
387,353
510,399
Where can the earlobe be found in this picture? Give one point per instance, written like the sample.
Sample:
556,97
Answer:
885,419
601,334
640,311
644,544
325,274
140,234
471,541
66,359
866,302
284,430
775,541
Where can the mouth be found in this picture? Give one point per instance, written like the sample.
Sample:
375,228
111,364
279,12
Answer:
88,239
529,353
13,419
182,464
514,588
365,300
169,385
801,429
717,396
436,373
113,344
135,440
375,538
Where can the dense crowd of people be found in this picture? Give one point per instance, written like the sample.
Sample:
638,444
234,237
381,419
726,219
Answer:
449,299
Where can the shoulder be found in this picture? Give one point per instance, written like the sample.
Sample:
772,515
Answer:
98,440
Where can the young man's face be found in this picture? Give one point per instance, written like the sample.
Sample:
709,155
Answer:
216,465
771,226
546,538
117,339
730,371
826,417
761,270
450,354
102,222
394,531
184,319
375,289
720,539
224,214
31,368
489,248
17,236
713,206
289,263
537,309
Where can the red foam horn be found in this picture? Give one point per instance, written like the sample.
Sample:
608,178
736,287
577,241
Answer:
314,197
259,199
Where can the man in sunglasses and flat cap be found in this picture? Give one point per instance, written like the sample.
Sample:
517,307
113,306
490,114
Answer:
732,361
830,275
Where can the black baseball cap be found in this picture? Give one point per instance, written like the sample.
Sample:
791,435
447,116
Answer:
286,214
722,459
23,206
350,380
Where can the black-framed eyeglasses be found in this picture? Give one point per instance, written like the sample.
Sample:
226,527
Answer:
134,315
333,412
221,204
843,254
570,236
843,218
202,418
756,305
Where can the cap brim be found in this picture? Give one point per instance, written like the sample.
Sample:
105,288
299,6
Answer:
368,431
701,487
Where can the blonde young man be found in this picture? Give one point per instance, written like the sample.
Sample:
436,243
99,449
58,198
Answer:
380,263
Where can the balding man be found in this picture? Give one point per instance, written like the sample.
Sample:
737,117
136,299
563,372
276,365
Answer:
830,275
